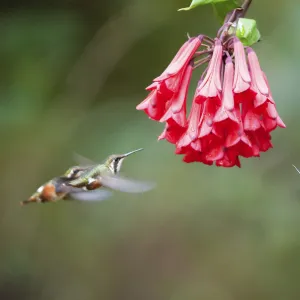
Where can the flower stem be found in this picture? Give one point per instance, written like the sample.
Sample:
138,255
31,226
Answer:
199,53
232,17
208,40
200,62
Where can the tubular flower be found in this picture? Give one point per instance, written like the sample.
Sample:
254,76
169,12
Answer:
168,89
177,104
211,86
232,113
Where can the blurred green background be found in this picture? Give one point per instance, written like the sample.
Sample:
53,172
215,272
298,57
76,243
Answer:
72,72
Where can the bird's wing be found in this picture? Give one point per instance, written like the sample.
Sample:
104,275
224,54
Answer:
126,185
88,196
62,187
82,160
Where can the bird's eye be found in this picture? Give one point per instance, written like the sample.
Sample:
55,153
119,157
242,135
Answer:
72,172
76,172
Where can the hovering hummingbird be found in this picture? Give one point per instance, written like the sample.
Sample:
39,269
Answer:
106,175
81,182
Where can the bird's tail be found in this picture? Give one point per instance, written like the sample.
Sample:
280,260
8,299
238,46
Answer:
29,200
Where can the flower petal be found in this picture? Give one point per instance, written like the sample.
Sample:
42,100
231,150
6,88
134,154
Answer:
179,100
256,73
230,159
171,133
227,98
211,85
242,77
251,121
182,58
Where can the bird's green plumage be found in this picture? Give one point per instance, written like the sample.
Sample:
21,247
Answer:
111,166
92,172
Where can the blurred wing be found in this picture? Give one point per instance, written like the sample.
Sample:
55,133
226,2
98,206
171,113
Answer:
126,185
82,161
97,195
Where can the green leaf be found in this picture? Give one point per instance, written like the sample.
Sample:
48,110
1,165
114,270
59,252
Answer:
196,3
247,31
223,8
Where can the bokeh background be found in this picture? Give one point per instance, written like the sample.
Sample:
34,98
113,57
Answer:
72,72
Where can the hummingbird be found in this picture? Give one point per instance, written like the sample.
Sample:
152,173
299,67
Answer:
82,182
106,175
55,190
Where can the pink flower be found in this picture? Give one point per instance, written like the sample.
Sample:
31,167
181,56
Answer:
242,79
232,112
170,82
227,109
172,132
181,59
211,86
177,106
192,131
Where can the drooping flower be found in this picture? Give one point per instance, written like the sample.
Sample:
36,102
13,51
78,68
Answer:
232,113
211,85
227,109
177,104
188,138
170,83
242,79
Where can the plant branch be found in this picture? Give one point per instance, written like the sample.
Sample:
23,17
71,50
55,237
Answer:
232,17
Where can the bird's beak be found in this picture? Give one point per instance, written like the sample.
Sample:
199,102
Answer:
131,152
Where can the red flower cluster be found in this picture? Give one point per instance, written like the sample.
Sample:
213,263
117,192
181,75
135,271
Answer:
232,113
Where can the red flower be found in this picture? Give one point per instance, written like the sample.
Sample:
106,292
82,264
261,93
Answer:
172,132
177,104
169,84
191,133
211,86
232,112
227,109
